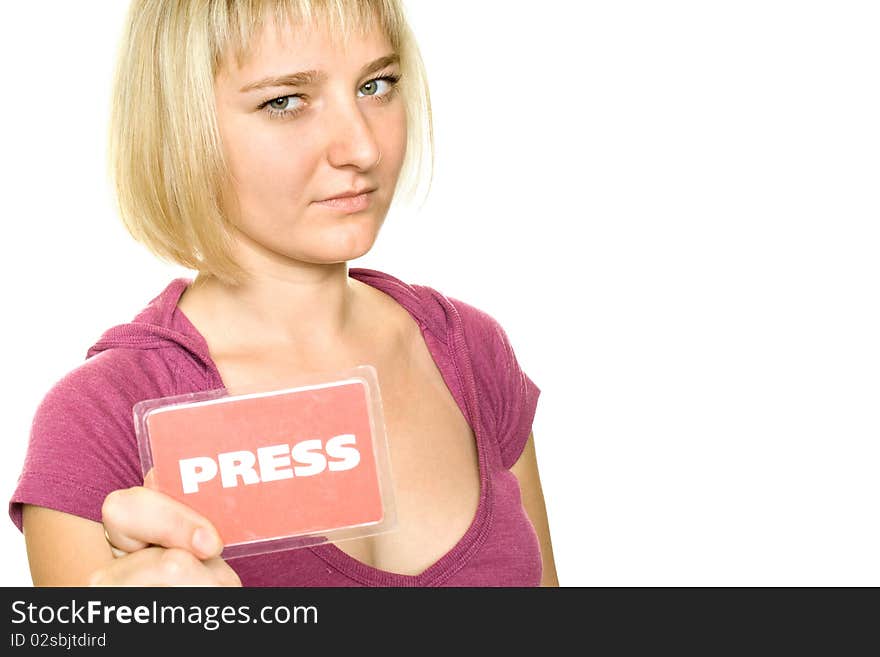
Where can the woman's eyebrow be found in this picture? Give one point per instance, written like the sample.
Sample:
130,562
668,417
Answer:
304,78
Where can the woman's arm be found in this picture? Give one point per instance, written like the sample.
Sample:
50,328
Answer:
160,542
526,472
63,549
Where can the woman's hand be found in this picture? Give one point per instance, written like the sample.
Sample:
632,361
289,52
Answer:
158,541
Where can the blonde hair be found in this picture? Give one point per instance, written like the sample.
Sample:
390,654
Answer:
166,162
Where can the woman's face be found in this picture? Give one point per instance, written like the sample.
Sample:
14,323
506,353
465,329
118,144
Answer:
295,143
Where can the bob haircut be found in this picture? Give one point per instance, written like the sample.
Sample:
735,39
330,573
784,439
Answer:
166,163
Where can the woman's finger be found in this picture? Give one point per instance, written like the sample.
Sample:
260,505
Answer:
117,553
137,517
155,566
223,574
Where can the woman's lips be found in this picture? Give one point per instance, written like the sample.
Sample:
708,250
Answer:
348,203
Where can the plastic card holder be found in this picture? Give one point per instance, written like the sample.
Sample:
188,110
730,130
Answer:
275,469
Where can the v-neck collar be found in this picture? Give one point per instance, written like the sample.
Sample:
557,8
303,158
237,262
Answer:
454,341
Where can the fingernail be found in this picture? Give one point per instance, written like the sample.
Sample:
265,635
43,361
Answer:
205,541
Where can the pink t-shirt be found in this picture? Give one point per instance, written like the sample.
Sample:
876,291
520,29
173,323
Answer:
83,444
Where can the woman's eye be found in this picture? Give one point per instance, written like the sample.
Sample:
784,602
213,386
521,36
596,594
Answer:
381,88
281,106
390,82
371,86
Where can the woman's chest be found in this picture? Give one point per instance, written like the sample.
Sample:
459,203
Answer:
433,454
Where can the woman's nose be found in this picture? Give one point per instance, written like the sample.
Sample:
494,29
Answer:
351,140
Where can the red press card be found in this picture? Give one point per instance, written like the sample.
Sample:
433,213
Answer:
269,465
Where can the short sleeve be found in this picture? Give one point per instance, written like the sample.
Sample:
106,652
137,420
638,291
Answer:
509,394
82,444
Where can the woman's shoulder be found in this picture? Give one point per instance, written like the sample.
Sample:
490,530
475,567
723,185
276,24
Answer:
508,393
98,394
441,312
82,441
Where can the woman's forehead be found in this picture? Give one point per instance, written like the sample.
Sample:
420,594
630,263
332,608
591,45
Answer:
309,44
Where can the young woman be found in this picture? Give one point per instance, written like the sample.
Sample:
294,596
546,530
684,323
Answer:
261,144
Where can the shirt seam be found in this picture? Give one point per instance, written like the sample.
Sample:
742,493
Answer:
75,483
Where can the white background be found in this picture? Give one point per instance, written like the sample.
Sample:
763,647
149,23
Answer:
671,207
